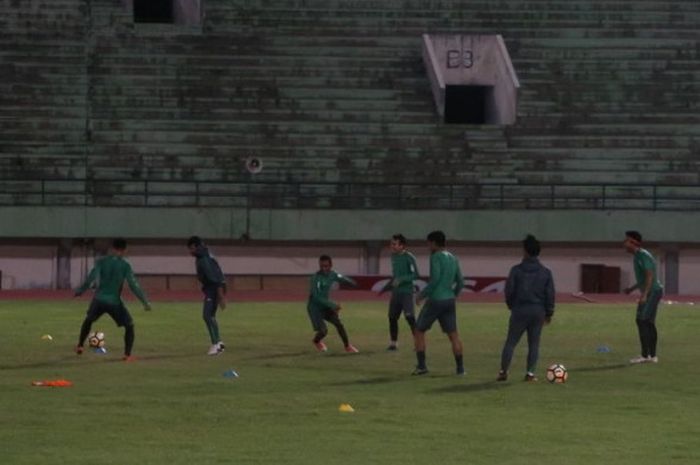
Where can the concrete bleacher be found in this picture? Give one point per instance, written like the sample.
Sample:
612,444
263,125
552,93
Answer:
42,102
333,96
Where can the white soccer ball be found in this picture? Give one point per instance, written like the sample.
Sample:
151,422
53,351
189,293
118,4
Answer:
557,374
96,339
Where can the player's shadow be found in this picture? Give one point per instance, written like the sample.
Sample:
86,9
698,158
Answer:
41,364
466,388
276,356
156,357
364,353
387,379
617,366
371,381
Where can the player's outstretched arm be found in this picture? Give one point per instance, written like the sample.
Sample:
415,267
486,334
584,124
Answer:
345,279
136,289
88,281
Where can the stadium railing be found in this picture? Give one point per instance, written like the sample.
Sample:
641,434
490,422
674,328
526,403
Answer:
349,195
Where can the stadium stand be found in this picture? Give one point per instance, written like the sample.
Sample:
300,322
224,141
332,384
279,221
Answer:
333,96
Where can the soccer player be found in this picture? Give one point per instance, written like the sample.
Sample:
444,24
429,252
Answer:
322,309
214,288
530,299
110,273
404,271
650,290
446,282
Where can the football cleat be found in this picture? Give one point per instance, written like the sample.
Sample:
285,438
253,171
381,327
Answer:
351,349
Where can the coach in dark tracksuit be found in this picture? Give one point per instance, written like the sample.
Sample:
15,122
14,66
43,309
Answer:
214,288
530,298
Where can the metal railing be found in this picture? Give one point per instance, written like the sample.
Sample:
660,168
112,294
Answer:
347,195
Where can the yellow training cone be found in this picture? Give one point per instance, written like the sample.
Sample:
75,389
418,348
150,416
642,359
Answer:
346,408
47,337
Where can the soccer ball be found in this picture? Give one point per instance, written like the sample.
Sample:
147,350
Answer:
557,374
96,339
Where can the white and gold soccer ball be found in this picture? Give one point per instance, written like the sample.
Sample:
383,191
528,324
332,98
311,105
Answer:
557,374
96,339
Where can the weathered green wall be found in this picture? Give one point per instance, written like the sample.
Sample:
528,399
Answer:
344,225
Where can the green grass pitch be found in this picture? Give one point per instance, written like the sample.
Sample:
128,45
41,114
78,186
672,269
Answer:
174,406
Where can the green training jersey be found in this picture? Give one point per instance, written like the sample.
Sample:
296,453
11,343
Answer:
445,277
321,283
404,271
643,262
110,273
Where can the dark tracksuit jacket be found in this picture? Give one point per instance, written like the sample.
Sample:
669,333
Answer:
209,273
530,298
530,288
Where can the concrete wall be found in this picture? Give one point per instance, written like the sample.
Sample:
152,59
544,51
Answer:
689,270
565,262
346,225
26,266
288,242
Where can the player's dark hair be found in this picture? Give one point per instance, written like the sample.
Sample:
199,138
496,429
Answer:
438,237
119,244
325,258
194,240
634,235
399,238
531,246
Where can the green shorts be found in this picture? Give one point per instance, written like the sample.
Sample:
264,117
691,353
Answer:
119,313
319,315
401,302
647,310
441,310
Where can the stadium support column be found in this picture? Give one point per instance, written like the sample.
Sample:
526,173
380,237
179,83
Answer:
671,267
63,254
373,252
